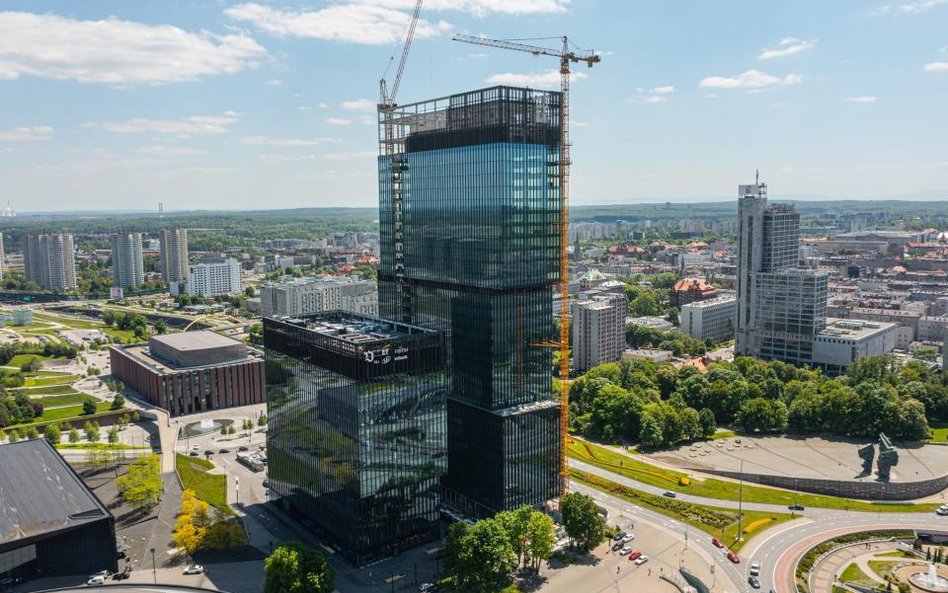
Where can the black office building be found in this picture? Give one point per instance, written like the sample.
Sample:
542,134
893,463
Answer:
51,524
469,212
356,440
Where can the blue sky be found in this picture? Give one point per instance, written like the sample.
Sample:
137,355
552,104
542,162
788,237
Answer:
225,104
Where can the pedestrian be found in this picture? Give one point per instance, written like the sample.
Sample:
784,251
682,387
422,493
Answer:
618,568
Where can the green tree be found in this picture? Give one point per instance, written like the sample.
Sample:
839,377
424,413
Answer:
651,434
52,434
32,365
13,436
141,485
517,524
91,428
113,435
30,432
262,420
88,406
485,558
708,424
582,521
118,402
74,436
295,568
542,538
161,326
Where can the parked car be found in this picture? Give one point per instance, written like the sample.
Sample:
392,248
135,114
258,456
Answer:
755,569
193,453
626,550
224,451
618,536
796,507
242,448
716,542
628,537
635,555
426,587
670,494
618,546
95,581
124,574
641,560
753,582
194,569
733,557
208,452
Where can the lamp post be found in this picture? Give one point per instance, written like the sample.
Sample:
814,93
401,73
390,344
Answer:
740,503
237,485
154,569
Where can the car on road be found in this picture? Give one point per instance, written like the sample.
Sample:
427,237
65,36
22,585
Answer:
626,550
670,494
628,537
942,510
618,546
796,507
429,587
224,451
641,560
733,557
194,453
753,582
635,555
95,581
755,569
194,569
716,542
208,452
242,448
618,536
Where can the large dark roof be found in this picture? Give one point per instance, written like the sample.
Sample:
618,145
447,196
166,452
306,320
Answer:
39,492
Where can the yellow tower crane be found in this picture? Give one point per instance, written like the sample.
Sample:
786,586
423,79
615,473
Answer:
567,57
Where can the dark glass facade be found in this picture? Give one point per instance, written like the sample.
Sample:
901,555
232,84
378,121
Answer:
357,429
469,213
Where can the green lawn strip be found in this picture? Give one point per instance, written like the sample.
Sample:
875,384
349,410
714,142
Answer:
883,568
54,401
211,488
854,574
33,392
19,359
123,335
899,554
33,327
73,322
102,446
41,422
715,521
722,434
70,412
59,379
725,490
939,435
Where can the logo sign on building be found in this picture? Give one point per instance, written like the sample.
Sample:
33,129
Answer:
116,293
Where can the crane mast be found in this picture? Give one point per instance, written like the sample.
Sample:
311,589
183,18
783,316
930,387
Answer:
566,58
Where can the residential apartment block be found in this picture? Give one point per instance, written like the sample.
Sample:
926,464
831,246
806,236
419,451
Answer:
50,261
598,330
300,296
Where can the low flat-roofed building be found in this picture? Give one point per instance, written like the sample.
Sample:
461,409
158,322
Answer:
713,319
192,372
842,341
51,524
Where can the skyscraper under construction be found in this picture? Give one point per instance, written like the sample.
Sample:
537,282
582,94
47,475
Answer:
469,206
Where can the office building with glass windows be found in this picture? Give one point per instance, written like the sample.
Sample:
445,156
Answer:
356,440
469,212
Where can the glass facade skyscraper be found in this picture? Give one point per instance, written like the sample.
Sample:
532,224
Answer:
469,208
356,440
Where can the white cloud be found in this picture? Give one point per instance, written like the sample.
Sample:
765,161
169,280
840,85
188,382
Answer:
547,79
338,121
195,125
274,82
752,79
115,52
920,6
27,133
282,157
883,10
788,46
303,108
353,23
860,99
358,105
663,90
936,67
168,151
655,99
478,7
6,149
323,105
267,141
346,156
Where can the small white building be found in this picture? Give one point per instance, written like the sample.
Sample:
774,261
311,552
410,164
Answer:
713,318
845,340
21,316
214,277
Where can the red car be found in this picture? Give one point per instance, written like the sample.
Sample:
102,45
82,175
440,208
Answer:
635,554
717,543
733,557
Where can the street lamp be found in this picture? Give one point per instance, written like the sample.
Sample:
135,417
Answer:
237,485
154,569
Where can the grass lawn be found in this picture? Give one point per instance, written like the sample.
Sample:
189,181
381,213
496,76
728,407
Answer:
19,359
57,379
882,568
211,488
73,322
70,412
715,521
939,435
49,390
854,574
70,399
722,434
647,473
104,446
899,554
123,335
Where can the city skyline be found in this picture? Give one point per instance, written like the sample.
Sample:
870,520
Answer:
231,105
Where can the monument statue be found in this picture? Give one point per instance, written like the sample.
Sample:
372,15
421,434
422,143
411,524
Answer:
888,457
867,453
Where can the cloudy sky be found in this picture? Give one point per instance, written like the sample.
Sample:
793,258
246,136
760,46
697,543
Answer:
225,104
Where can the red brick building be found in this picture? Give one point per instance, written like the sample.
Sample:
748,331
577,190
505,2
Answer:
192,372
690,290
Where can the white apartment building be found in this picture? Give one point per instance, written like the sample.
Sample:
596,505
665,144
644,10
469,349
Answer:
311,295
713,318
214,277
598,330
844,340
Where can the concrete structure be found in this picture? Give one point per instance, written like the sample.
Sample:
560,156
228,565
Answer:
713,319
128,268
652,321
50,261
907,320
174,255
844,340
649,354
932,329
598,330
214,277
51,524
21,316
311,295
780,308
191,372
